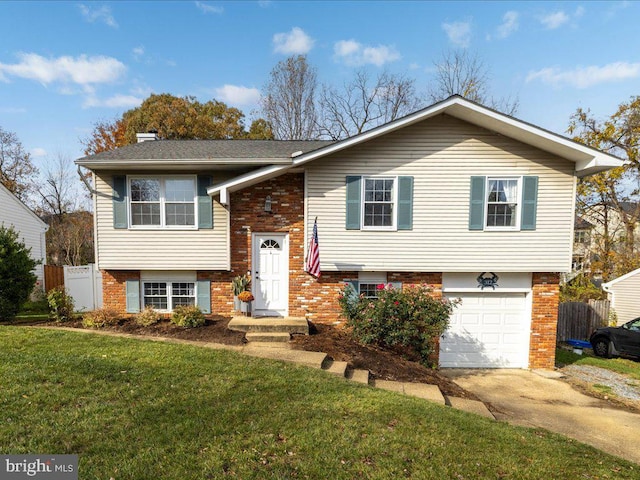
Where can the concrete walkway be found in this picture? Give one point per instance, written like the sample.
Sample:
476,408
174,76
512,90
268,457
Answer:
525,398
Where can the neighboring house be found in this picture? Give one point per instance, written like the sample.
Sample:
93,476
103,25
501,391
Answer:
473,203
624,295
582,246
31,230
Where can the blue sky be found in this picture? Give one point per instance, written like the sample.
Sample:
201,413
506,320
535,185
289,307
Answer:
66,65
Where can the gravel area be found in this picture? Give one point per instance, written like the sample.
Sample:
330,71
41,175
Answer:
621,385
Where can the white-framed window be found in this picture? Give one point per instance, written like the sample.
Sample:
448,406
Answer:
379,200
162,201
165,290
503,203
368,283
581,236
168,295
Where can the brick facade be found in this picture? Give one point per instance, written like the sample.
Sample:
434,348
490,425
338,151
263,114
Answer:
114,294
544,319
317,300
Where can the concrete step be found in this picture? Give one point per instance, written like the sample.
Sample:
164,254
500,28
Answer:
357,375
471,406
335,367
269,324
310,359
269,337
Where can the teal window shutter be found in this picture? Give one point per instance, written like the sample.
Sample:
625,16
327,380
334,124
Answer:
405,203
529,203
120,202
133,296
205,202
354,195
204,295
476,203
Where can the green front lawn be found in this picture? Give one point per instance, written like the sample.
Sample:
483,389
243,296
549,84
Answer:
134,409
619,365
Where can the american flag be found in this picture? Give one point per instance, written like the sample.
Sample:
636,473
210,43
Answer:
313,256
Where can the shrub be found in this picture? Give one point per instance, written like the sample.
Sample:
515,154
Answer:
100,318
147,317
410,317
581,289
188,316
60,305
16,273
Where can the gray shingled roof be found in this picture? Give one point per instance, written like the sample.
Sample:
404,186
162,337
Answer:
208,149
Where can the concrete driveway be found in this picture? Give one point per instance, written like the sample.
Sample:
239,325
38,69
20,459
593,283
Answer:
528,399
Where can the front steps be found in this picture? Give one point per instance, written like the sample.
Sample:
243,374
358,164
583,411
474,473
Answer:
269,338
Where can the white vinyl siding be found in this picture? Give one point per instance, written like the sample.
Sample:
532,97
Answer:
625,298
442,154
30,229
168,249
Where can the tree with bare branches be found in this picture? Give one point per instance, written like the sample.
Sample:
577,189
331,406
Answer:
460,72
289,99
17,172
364,103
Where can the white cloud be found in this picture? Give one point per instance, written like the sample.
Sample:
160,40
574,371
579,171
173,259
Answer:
115,101
208,8
138,52
509,24
264,3
82,70
238,95
554,20
459,33
102,14
292,43
584,77
38,152
355,54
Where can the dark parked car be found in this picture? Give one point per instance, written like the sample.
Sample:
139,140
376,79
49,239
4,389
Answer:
623,340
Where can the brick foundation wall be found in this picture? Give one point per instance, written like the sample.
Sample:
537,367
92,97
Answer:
114,291
544,319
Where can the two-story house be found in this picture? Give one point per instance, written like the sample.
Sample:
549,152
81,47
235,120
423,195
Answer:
476,204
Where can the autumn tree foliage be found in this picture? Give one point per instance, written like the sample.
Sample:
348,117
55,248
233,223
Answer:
611,200
17,172
174,118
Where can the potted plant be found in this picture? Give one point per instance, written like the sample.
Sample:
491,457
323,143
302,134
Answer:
238,285
246,298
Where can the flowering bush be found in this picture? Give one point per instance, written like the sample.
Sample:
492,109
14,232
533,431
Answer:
410,317
245,296
148,317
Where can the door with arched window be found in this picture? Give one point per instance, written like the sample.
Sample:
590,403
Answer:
270,274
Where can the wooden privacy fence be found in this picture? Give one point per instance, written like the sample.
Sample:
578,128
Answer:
578,320
53,277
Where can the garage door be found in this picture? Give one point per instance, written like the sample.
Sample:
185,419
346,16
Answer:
487,330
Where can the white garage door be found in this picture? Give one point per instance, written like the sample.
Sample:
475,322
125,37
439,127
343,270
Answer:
487,330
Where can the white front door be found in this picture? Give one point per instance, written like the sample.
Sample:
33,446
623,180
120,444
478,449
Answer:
270,274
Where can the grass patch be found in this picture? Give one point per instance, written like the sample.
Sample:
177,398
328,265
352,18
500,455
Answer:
137,409
619,365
